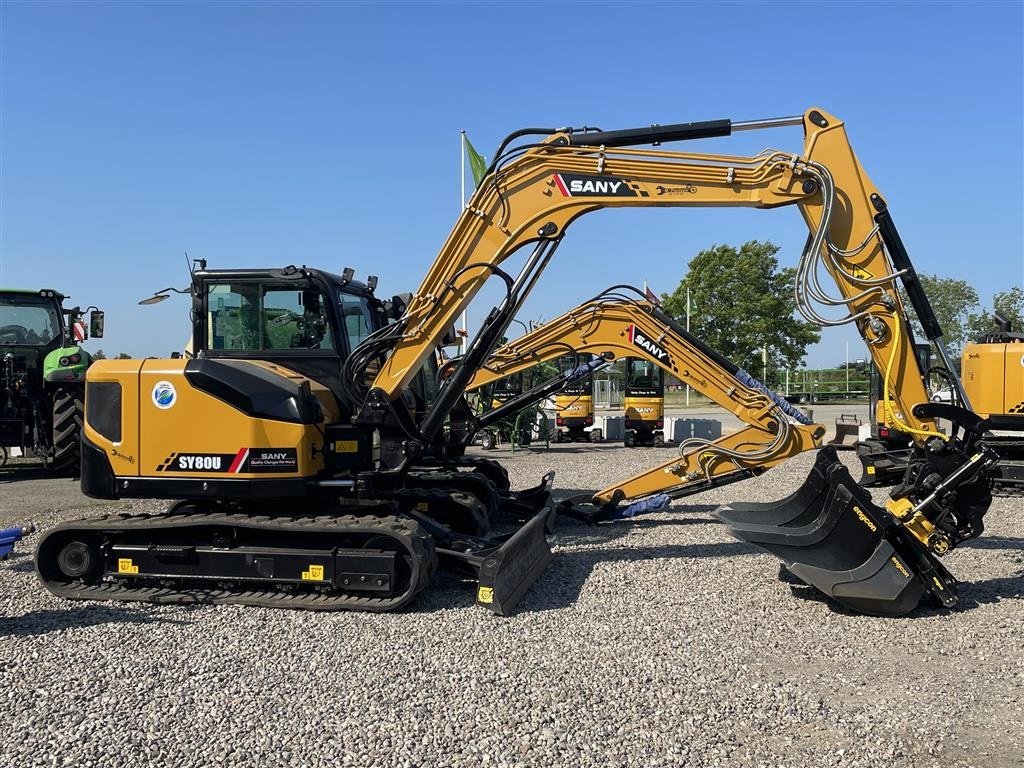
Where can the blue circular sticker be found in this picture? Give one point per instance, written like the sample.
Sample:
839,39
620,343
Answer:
164,394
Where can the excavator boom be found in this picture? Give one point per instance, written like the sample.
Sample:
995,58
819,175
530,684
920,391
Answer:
615,325
534,190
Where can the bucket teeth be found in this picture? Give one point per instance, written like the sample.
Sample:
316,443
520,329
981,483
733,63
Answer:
830,535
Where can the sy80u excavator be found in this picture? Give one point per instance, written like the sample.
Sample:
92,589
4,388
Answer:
869,558
617,325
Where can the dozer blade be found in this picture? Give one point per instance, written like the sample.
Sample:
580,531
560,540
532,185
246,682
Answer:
844,545
507,571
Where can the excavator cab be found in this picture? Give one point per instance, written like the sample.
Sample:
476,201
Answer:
644,401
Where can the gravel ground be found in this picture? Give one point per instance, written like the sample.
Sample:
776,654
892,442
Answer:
657,643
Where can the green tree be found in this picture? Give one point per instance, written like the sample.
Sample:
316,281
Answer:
741,301
952,301
123,356
1009,304
98,355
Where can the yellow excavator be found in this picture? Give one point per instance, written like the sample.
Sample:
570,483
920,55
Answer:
300,481
993,376
643,402
574,404
620,324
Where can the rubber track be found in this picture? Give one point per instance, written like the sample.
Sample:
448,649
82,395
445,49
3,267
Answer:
416,541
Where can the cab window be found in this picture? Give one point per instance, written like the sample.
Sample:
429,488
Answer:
257,317
642,373
356,317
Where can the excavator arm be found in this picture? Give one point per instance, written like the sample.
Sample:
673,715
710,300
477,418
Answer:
531,195
613,325
534,190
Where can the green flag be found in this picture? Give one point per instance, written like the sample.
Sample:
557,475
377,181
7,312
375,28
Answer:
476,163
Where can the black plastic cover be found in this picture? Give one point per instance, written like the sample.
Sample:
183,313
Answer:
254,390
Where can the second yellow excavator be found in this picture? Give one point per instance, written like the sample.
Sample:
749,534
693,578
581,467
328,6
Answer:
614,325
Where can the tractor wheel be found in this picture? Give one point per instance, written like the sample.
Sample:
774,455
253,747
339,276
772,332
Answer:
487,441
68,416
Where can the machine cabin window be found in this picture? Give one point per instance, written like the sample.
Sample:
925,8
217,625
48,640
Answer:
357,317
642,374
28,320
258,317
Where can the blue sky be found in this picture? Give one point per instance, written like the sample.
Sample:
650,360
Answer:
328,134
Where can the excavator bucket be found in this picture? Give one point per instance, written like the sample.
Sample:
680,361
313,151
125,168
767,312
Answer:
831,536
847,432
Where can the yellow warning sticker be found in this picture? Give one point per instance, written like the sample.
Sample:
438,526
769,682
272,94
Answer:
422,506
870,470
315,573
485,595
125,565
346,446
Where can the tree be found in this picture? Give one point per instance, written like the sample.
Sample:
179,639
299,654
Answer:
98,355
123,356
952,301
1009,304
741,301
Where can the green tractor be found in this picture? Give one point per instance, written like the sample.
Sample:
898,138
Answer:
42,376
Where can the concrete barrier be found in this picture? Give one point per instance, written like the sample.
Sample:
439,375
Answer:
612,427
678,428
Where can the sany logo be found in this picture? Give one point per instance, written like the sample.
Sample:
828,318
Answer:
580,184
638,339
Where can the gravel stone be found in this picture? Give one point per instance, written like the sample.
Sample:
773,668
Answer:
658,642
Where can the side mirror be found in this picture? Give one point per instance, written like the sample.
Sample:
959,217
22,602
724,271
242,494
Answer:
451,337
397,305
175,355
96,324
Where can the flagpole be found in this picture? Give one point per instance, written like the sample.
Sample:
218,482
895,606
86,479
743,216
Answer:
687,330
462,206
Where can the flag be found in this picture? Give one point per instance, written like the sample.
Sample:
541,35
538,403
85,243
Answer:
477,164
80,333
651,295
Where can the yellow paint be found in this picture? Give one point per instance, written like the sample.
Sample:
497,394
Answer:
315,573
197,422
346,446
485,595
871,470
125,565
